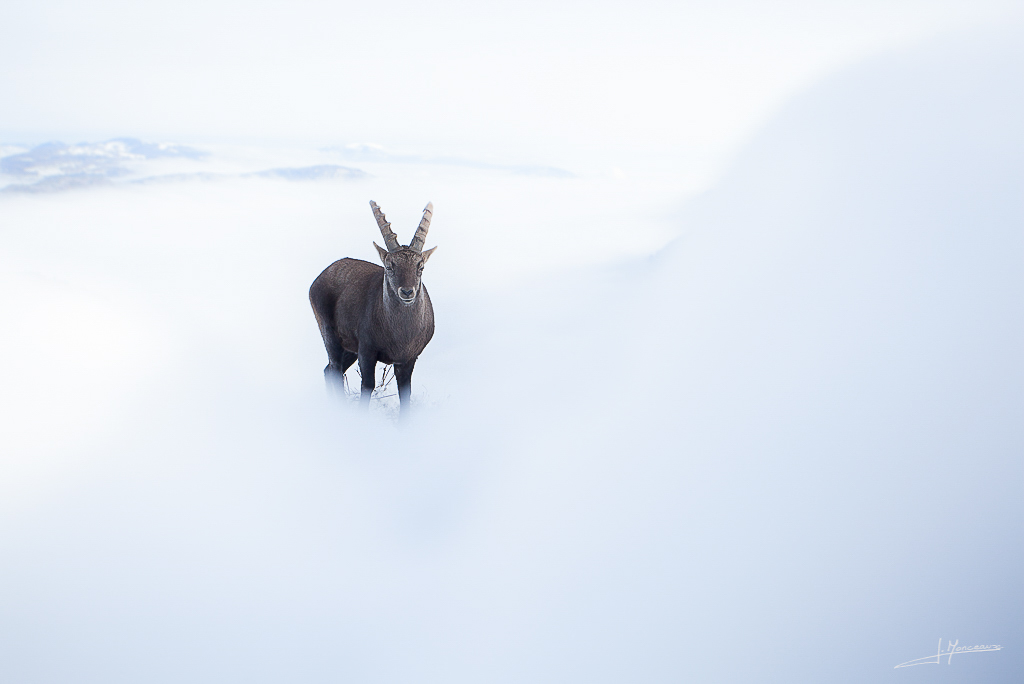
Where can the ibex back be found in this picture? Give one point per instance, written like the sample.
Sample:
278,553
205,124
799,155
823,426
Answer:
370,314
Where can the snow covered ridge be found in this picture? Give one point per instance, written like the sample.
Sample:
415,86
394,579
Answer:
56,166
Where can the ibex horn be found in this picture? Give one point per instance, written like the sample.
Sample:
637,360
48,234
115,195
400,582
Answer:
390,239
421,233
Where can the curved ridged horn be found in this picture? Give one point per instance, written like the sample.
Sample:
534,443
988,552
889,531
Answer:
421,233
390,239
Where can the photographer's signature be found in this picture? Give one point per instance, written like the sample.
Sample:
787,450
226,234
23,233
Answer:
952,649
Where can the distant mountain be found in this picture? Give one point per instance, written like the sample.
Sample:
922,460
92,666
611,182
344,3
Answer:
370,152
320,172
57,183
94,159
56,166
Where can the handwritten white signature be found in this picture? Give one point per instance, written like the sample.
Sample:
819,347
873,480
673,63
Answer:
952,649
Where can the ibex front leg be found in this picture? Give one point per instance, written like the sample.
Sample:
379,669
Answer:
368,371
403,375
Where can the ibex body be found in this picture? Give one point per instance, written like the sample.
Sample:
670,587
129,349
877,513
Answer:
367,313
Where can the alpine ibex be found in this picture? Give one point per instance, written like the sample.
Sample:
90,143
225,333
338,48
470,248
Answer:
370,314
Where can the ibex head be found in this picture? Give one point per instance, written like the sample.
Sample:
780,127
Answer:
403,266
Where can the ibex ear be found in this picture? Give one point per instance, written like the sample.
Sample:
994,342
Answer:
426,254
381,251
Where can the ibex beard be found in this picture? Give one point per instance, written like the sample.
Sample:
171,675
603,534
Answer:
370,314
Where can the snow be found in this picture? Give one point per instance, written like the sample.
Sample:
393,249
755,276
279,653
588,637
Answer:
783,446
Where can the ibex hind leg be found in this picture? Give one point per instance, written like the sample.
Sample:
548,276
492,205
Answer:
334,372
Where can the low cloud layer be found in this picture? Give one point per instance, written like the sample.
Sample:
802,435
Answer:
785,447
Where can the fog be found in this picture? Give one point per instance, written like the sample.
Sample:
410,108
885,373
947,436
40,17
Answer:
769,431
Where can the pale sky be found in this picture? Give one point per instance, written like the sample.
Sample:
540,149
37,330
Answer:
559,83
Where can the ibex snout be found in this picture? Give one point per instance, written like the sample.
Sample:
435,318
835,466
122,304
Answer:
406,295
